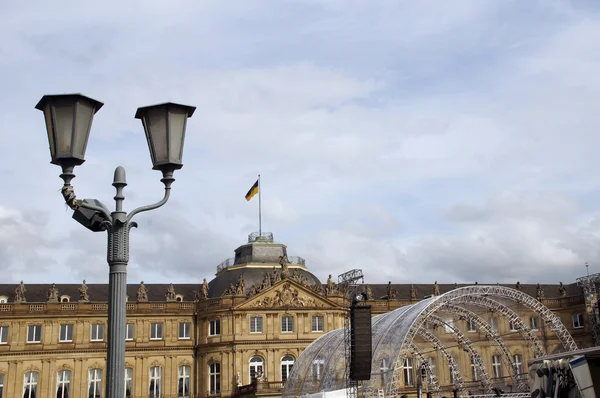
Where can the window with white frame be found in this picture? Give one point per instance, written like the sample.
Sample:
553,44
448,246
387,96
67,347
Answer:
407,370
256,367
97,332
384,369
156,331
130,331
287,363
287,324
214,327
513,325
534,323
66,333
155,382
318,323
497,366
431,361
471,325
493,322
214,374
3,337
63,384
128,382
318,367
1,385
184,330
30,384
577,321
474,373
518,359
448,325
256,324
183,383
94,383
34,333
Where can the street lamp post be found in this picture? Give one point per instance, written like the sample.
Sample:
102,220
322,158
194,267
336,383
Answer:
68,121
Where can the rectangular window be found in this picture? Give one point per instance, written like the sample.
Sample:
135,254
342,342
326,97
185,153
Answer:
1,385
287,324
493,323
409,378
214,327
94,383
256,324
34,333
130,331
497,366
66,333
128,382
513,326
97,332
156,331
183,385
471,325
155,382
3,337
577,321
184,330
448,325
214,374
474,375
518,363
318,323
534,323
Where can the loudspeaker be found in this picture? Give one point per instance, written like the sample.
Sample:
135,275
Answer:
360,343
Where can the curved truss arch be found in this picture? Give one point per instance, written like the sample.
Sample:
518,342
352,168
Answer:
465,342
434,382
393,334
438,345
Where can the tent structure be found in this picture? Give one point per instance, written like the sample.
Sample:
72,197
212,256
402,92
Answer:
322,365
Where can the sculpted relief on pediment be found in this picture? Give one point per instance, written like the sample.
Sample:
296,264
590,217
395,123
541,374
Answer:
287,296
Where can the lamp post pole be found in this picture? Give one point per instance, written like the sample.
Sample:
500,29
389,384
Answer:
68,121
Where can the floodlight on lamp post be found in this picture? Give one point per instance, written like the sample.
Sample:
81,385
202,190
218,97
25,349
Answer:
68,122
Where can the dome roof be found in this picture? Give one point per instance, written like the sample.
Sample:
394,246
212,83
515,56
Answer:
260,256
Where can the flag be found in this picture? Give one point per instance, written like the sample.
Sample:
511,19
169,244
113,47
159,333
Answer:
253,191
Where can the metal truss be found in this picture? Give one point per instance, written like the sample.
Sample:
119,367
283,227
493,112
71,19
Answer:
433,383
510,315
466,344
439,346
589,284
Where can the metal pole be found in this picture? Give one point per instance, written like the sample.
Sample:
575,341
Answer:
259,209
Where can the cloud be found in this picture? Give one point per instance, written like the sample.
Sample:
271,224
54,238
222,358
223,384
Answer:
416,141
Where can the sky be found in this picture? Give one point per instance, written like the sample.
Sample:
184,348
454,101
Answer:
419,141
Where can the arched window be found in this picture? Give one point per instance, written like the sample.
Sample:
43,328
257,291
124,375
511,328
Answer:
94,383
214,374
155,382
257,368
287,362
1,385
318,366
65,299
63,384
179,297
30,385
3,299
433,373
128,382
518,363
183,385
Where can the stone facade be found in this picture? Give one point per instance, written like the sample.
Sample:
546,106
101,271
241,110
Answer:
194,342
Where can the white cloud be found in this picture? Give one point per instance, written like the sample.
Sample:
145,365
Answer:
415,141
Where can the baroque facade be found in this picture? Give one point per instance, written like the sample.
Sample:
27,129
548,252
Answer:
240,332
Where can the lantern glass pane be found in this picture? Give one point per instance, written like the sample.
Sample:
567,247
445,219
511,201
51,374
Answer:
49,126
63,112
157,130
177,121
85,114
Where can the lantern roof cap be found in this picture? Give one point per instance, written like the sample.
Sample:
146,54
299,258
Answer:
40,105
141,110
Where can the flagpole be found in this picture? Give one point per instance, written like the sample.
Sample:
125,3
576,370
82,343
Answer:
259,209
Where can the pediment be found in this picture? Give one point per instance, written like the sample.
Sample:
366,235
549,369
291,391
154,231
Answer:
287,294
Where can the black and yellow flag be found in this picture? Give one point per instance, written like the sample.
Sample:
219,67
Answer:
253,191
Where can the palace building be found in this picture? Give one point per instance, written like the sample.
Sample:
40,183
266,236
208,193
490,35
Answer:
242,332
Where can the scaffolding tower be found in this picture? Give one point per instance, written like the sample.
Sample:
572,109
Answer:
589,284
